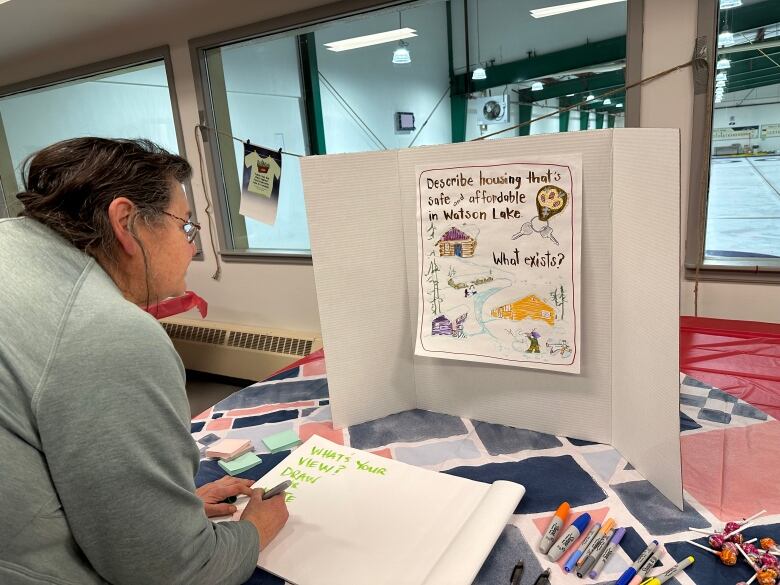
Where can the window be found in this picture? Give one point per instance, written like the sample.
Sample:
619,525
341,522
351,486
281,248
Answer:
734,221
129,101
446,71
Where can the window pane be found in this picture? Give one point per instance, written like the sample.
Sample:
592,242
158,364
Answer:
256,88
130,103
743,204
405,90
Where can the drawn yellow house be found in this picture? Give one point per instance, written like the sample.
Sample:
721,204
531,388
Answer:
456,243
530,307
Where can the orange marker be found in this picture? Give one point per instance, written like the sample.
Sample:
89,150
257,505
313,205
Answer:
551,534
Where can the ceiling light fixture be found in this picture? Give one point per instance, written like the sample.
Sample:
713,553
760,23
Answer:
590,98
537,86
721,76
725,39
607,101
721,83
619,105
571,7
723,64
401,55
479,73
369,40
726,4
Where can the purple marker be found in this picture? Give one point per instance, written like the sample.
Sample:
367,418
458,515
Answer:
567,538
607,554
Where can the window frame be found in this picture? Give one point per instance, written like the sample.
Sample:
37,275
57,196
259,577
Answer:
213,171
161,53
743,271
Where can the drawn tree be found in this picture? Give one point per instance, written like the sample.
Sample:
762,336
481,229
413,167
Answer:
558,297
432,275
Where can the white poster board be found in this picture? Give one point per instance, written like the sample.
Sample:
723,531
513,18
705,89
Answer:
368,294
358,518
499,262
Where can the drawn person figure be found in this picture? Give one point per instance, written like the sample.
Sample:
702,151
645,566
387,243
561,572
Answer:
550,201
533,337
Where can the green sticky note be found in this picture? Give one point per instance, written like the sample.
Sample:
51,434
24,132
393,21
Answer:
282,441
240,464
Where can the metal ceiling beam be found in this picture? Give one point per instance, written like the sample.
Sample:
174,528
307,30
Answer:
754,83
750,16
746,69
752,55
584,85
541,66
749,47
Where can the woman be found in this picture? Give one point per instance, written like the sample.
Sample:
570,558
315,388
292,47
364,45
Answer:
97,465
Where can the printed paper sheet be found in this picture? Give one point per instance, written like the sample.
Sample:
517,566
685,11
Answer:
499,262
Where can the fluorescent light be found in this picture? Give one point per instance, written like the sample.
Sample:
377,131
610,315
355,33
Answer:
607,101
569,95
563,8
725,39
401,55
479,73
537,86
618,105
723,64
590,98
368,40
721,76
726,4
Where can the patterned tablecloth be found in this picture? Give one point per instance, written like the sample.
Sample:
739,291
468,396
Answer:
729,451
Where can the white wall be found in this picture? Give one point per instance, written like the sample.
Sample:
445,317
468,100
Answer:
745,113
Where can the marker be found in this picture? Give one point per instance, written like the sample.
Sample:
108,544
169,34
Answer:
517,573
607,554
595,542
544,578
666,575
574,557
567,538
641,575
276,490
550,535
629,573
593,557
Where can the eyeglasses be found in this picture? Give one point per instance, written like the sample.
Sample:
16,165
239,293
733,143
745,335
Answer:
190,227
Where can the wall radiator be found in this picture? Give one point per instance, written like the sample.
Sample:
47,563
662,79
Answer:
238,351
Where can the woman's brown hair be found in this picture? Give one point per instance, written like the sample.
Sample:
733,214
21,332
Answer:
69,185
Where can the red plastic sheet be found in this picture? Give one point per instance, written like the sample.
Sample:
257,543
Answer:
174,306
739,357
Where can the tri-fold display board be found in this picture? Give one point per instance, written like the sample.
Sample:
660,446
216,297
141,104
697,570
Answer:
531,282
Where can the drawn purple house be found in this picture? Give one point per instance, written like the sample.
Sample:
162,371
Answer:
441,326
456,243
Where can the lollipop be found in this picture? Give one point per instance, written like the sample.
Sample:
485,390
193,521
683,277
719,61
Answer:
750,548
731,527
728,554
767,543
737,538
767,560
767,577
716,541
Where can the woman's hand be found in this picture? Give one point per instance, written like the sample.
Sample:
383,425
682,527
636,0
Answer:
268,516
216,491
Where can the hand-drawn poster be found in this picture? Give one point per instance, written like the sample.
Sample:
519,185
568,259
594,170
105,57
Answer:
499,253
261,178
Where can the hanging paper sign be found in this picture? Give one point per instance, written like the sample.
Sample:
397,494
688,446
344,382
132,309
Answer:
260,185
499,263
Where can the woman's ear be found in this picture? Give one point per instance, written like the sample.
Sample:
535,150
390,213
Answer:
120,214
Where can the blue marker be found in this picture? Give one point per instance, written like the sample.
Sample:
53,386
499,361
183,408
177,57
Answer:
567,538
574,557
629,573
